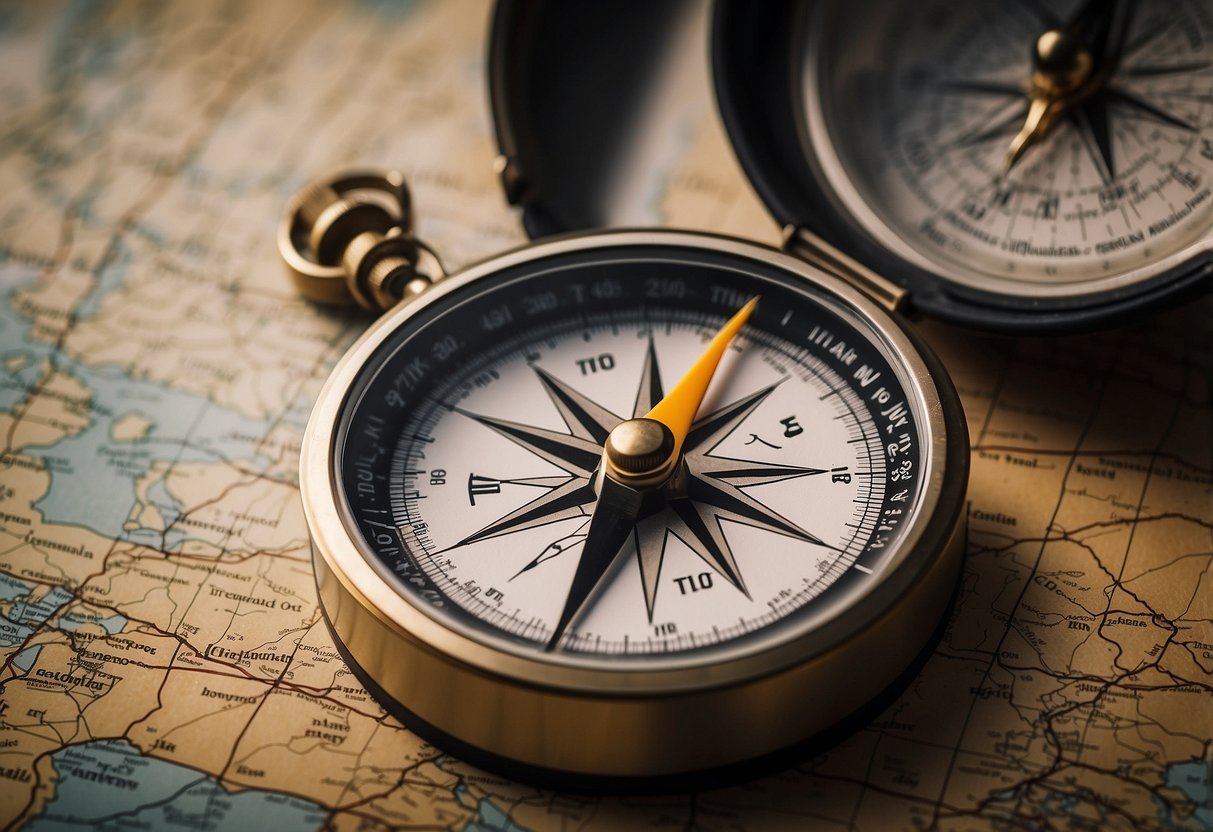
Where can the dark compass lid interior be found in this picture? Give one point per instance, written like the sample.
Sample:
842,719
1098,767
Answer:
576,91
572,89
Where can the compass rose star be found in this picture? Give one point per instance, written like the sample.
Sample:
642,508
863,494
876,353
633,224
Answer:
1082,71
712,490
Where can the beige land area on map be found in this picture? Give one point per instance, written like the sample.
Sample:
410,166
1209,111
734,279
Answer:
146,150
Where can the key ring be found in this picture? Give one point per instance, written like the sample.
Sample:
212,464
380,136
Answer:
348,237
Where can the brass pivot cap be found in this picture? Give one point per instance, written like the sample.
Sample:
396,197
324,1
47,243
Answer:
1062,62
640,452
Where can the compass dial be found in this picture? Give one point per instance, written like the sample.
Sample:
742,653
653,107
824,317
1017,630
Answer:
797,479
912,111
562,485
786,477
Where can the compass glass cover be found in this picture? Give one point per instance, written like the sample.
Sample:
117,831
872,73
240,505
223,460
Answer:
909,111
469,445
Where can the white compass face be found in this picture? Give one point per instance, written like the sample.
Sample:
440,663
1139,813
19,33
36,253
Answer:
910,111
476,485
777,490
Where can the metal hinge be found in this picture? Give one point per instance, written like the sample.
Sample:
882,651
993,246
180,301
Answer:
804,244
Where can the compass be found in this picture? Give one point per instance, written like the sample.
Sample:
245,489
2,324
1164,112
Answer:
624,504
1021,165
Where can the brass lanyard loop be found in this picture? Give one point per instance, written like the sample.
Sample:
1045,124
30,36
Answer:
349,237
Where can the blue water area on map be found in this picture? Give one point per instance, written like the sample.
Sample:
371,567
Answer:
11,588
93,475
491,819
1064,804
184,427
109,785
1194,778
15,383
30,611
75,619
158,495
12,634
24,660
13,332
389,8
25,616
100,484
108,278
71,56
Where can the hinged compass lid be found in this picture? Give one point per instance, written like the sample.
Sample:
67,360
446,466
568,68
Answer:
576,91
885,128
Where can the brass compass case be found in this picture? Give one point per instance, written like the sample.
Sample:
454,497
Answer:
504,701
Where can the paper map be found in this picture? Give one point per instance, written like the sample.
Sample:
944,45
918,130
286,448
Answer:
164,660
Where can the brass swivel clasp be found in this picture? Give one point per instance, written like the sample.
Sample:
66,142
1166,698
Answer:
348,237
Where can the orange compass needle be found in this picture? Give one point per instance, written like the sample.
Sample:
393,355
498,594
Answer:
677,410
